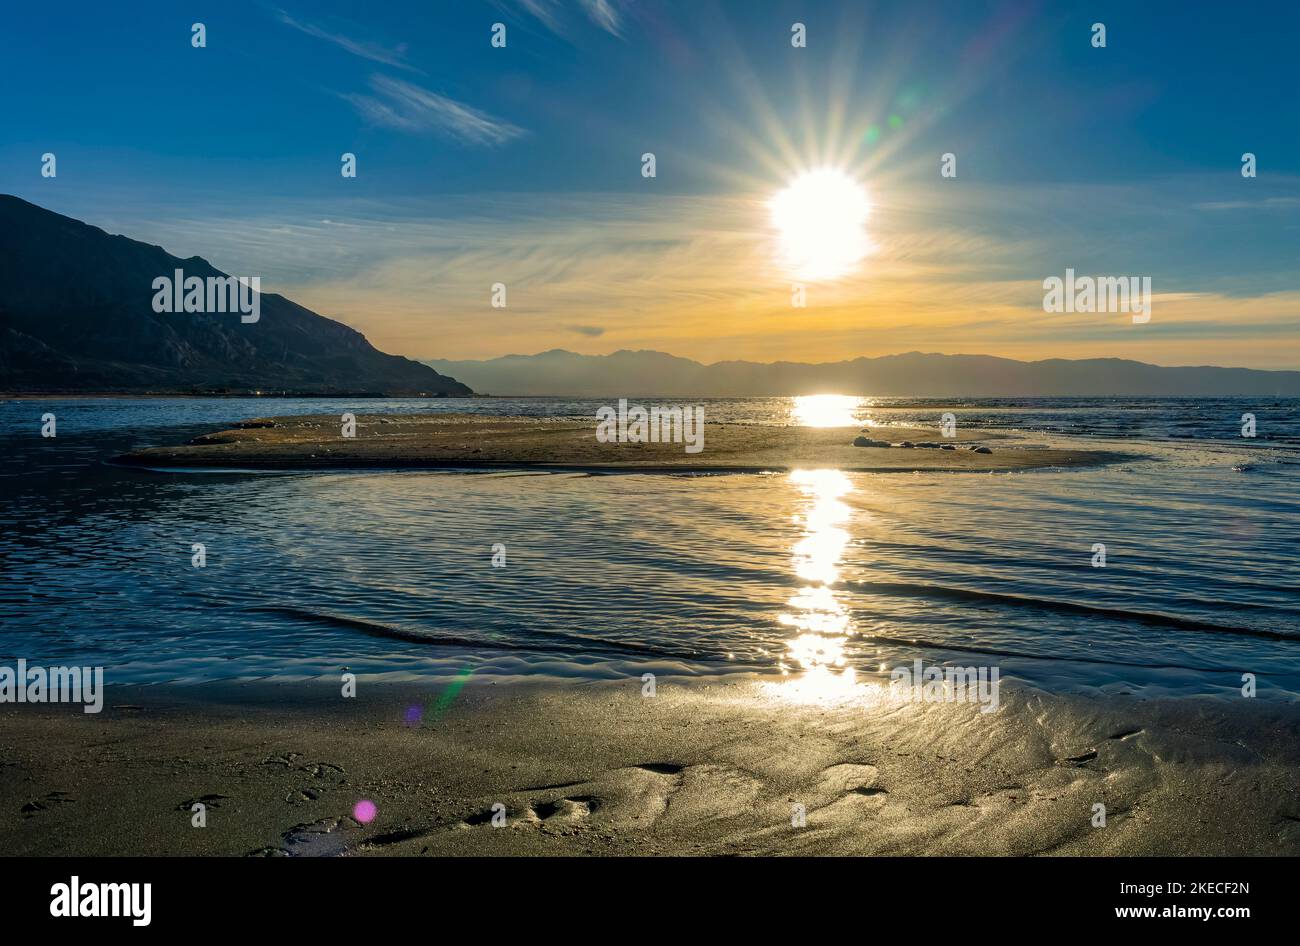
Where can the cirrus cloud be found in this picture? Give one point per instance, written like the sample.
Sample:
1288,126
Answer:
406,106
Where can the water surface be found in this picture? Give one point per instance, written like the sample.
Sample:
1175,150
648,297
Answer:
391,572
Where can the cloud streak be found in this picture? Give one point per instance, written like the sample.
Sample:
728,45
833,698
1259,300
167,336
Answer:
395,57
545,11
606,14
405,106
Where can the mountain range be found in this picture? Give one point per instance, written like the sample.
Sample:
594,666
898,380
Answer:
915,374
77,314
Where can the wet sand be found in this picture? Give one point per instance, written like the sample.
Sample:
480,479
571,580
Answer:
598,768
472,441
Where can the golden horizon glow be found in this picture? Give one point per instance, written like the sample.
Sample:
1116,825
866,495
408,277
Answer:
696,277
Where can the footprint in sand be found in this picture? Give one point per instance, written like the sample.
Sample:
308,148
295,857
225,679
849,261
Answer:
287,759
324,770
661,768
630,798
480,818
849,777
300,796
323,838
553,813
213,800
398,837
852,787
570,810
44,804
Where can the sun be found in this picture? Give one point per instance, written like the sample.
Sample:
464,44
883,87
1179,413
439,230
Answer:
820,219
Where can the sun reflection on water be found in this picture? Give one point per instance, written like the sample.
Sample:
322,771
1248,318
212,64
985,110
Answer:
829,410
819,618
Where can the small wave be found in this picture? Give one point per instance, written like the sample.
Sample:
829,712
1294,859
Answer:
379,629
942,592
1026,655
552,641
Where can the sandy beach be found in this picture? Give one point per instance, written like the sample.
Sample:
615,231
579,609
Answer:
597,768
472,441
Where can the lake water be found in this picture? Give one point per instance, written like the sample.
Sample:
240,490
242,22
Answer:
391,573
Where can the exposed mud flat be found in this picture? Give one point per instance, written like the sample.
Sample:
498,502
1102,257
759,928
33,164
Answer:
596,768
473,441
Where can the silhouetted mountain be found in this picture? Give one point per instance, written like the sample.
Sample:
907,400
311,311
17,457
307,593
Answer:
76,314
646,373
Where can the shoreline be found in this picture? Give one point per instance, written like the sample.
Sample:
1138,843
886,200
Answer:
597,768
483,442
247,395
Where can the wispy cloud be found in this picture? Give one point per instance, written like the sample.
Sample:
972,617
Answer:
545,11
406,106
1267,203
396,56
409,107
606,14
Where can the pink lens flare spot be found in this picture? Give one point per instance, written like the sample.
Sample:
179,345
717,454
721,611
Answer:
413,715
364,811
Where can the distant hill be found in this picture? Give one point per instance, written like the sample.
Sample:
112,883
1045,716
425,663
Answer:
76,314
645,373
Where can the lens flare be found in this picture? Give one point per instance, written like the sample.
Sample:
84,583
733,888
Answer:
364,811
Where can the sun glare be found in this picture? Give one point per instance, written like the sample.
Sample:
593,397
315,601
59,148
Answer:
820,220
826,410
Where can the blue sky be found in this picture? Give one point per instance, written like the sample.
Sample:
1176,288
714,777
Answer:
521,165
